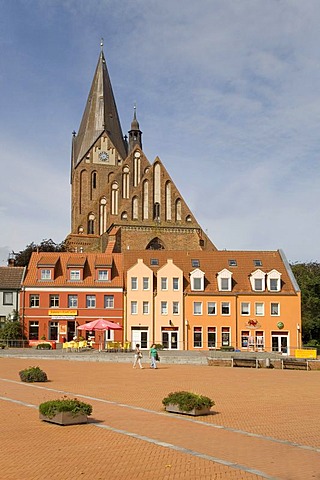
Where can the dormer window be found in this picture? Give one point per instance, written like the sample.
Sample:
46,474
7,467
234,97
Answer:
224,279
45,274
103,275
197,280
75,275
258,281
274,281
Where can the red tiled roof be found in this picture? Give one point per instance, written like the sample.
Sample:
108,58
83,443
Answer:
63,260
212,262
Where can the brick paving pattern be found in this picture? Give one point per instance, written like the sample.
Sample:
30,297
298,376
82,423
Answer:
265,423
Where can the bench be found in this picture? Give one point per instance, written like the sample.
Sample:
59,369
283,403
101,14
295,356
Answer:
245,362
293,363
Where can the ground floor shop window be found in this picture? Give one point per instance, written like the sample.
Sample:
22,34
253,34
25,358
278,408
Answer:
225,336
212,337
197,337
33,330
259,340
244,338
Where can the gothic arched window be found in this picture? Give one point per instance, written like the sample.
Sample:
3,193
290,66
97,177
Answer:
114,199
178,209
155,244
145,200
135,208
168,201
91,220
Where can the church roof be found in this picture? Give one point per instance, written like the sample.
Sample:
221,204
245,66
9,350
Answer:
100,115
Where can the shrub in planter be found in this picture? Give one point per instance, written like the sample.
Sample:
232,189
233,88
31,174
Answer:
44,346
65,411
33,374
187,402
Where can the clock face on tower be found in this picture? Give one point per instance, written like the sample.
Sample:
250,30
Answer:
104,156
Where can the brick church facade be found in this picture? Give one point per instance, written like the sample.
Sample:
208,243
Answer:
121,201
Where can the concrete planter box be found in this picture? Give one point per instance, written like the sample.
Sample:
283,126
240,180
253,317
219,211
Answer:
194,412
65,418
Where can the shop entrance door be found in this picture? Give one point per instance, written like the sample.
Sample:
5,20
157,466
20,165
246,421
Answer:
280,343
170,340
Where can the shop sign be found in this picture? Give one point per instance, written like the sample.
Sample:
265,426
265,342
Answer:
62,313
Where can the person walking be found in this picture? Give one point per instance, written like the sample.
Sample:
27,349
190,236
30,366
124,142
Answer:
137,356
153,353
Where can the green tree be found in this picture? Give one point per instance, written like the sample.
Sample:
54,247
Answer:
21,259
308,278
11,331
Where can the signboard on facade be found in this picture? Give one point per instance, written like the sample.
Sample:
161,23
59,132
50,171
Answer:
301,353
62,313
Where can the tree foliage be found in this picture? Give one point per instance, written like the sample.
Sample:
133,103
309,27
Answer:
21,259
11,331
308,278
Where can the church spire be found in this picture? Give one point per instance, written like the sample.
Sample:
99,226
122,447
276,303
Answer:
100,115
135,134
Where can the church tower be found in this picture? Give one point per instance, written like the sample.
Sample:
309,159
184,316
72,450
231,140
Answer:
120,201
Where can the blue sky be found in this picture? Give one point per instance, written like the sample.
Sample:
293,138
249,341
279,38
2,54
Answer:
227,93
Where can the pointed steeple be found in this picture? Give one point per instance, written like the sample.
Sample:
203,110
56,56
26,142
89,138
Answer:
100,115
135,134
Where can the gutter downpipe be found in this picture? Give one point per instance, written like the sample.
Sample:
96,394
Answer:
237,322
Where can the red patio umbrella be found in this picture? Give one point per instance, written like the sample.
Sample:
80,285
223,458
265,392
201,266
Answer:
100,324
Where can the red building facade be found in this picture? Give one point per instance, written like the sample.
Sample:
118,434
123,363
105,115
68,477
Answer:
62,291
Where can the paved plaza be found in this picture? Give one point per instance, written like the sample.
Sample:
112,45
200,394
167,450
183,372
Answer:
265,423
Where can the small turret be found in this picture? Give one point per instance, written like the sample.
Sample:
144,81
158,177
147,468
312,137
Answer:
135,134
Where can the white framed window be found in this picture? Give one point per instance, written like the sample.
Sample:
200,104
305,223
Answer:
212,308
197,280
175,308
259,308
175,283
164,308
45,274
91,301
54,300
145,283
258,281
7,298
245,308
109,301
34,301
224,279
197,308
274,281
74,275
212,337
275,309
145,308
197,337
225,308
134,283
134,307
72,301
103,275
225,336
164,283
